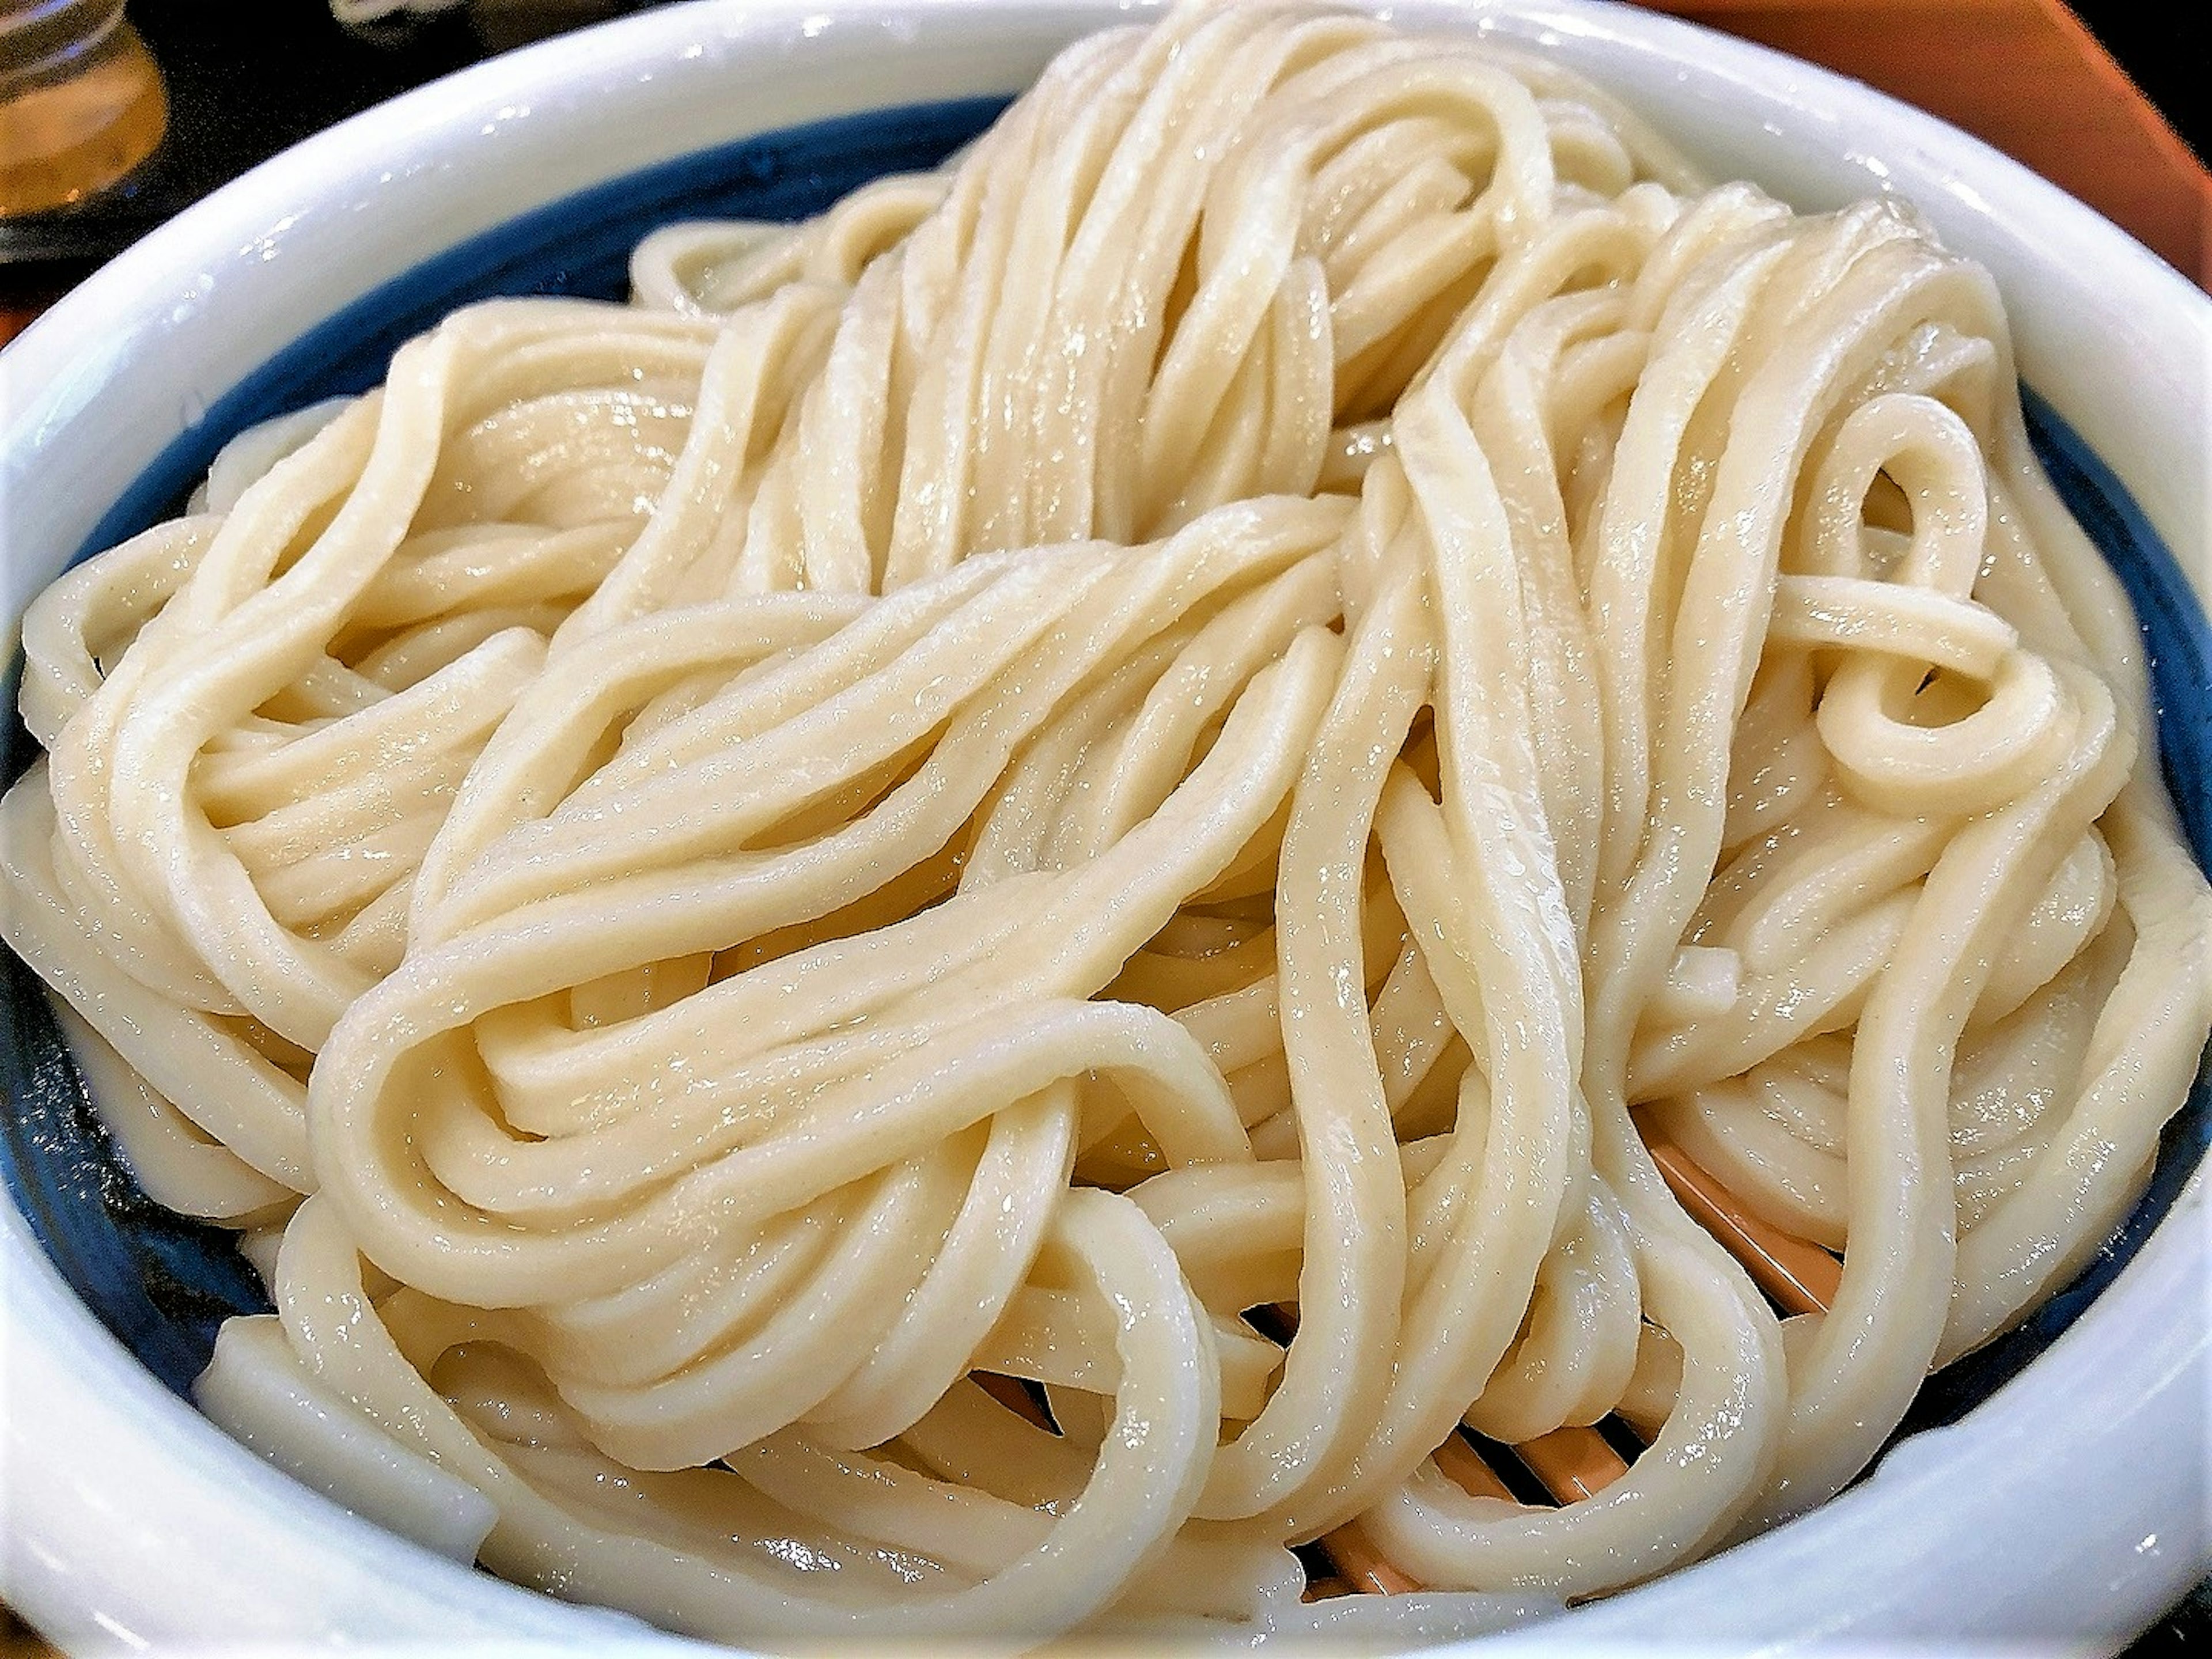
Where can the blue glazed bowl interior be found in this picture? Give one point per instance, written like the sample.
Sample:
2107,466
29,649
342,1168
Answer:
163,1284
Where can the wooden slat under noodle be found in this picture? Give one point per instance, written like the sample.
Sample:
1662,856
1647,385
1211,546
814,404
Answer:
1800,1276
1575,1463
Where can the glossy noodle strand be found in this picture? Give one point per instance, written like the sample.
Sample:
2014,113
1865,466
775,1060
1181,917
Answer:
988,911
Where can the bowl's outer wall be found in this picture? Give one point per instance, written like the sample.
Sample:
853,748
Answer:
449,178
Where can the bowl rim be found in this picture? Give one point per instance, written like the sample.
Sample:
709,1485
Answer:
126,1475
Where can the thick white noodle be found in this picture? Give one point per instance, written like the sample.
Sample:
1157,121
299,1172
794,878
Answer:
1219,707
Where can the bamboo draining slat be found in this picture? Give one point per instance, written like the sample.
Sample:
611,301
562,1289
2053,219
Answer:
1575,1462
1801,1277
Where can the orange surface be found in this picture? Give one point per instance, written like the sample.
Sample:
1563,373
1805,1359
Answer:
2024,75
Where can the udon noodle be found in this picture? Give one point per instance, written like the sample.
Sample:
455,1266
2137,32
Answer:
1216,710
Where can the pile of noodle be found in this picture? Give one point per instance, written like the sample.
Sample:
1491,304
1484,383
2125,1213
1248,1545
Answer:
1219,708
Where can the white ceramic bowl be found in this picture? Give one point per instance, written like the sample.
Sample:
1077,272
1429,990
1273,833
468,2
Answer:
2068,1509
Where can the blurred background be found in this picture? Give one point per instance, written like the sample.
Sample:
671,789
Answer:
116,115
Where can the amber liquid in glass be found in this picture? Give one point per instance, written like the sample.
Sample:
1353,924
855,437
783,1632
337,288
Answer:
81,102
